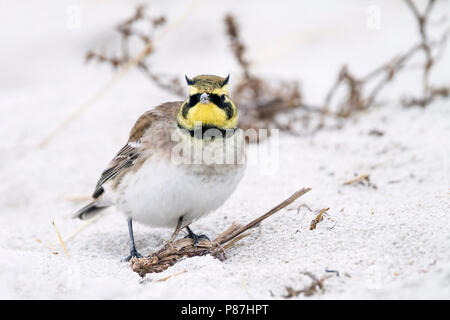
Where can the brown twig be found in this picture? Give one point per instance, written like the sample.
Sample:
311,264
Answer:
184,248
318,219
260,100
172,275
422,19
237,45
255,222
266,103
357,99
83,227
262,106
316,286
118,75
361,179
127,32
61,241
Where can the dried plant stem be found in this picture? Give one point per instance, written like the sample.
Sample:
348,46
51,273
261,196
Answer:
318,219
315,287
119,74
61,241
255,222
82,227
172,275
183,248
358,99
360,178
422,20
235,240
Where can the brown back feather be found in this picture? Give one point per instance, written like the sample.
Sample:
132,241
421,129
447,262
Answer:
162,118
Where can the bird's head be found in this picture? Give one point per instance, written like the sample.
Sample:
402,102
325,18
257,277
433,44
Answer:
208,103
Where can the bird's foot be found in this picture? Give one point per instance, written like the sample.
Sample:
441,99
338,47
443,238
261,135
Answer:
196,237
133,254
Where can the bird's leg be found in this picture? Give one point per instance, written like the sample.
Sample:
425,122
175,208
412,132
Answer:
133,251
175,233
194,236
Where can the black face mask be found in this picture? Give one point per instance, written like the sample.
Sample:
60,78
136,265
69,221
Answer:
214,98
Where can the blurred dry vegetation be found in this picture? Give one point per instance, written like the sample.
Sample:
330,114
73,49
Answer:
269,103
129,32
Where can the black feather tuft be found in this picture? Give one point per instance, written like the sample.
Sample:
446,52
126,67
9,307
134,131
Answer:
226,80
189,81
89,211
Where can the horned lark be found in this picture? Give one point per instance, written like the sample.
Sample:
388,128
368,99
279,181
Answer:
182,161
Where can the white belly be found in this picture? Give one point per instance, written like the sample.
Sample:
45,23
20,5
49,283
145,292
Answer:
163,192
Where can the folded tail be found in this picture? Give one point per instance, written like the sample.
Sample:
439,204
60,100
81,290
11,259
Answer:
89,211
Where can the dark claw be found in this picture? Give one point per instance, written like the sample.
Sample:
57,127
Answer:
195,237
133,254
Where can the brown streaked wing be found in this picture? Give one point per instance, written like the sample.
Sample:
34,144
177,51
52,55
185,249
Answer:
127,156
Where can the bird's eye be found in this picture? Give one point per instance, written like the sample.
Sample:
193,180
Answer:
223,97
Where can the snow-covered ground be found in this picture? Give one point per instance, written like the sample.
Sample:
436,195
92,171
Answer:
388,242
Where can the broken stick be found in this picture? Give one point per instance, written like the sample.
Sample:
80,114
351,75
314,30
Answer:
169,255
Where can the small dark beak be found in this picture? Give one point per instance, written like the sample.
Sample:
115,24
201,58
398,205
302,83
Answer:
204,98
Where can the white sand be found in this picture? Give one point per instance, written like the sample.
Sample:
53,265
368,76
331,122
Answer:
389,242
